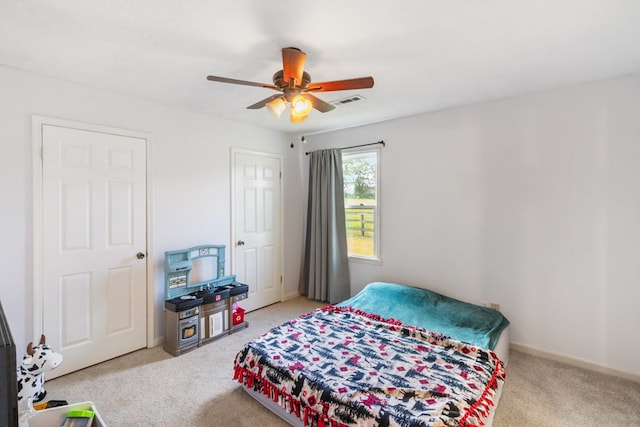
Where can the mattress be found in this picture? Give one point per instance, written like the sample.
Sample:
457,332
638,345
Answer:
342,365
295,421
430,310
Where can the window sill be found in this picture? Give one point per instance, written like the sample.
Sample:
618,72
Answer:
360,260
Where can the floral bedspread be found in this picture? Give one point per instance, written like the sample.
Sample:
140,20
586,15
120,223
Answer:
340,367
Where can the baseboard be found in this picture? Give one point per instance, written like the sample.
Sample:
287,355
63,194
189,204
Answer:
575,362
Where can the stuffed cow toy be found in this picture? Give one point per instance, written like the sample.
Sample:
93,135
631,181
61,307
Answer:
35,363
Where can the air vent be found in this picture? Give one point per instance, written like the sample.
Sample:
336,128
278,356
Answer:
348,100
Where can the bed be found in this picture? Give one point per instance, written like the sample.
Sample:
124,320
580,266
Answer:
392,355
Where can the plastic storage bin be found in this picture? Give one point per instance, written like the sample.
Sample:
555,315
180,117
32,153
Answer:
54,417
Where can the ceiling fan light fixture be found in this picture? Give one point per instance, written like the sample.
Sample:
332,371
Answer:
276,107
300,108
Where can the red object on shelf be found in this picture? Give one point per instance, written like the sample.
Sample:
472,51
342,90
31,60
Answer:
238,316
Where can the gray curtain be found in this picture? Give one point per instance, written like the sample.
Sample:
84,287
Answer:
326,261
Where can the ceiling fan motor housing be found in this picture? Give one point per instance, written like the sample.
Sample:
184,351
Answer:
278,80
290,90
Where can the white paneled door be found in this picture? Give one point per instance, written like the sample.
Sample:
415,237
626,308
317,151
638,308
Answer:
257,227
94,245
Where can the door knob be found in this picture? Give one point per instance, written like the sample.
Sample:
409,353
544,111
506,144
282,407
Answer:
240,243
140,255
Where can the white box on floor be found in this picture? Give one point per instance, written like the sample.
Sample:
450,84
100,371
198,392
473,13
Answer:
54,417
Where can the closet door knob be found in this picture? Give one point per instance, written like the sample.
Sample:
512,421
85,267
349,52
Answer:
140,255
240,243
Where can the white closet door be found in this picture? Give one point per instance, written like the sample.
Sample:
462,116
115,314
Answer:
257,230
94,245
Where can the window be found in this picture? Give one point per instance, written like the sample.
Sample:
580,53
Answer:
360,171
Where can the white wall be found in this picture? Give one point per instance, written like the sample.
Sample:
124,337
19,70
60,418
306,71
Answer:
531,202
190,158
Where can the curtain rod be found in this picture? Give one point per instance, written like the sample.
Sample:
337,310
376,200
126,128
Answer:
356,146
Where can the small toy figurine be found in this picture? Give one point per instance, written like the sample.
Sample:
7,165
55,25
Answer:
30,373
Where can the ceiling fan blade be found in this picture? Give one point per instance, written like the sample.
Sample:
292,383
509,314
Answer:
264,102
240,82
319,104
359,83
293,60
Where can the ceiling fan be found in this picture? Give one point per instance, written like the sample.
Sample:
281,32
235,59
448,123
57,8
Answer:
295,87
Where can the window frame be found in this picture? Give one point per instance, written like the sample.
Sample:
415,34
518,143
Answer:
377,257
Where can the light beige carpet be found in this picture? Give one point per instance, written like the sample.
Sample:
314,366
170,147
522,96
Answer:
152,388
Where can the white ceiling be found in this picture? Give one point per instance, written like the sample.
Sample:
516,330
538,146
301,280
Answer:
424,55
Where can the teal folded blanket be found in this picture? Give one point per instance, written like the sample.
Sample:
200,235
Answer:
470,323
